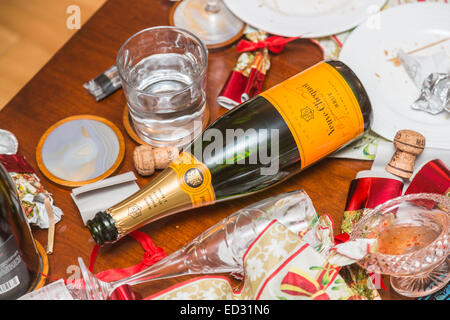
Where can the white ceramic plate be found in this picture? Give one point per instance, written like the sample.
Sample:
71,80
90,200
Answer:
368,51
314,18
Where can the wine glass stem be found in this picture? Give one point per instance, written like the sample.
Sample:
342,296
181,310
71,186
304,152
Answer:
171,266
212,6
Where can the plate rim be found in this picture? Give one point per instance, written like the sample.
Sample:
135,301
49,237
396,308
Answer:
345,27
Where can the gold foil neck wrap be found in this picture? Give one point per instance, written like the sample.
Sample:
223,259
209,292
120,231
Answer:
185,184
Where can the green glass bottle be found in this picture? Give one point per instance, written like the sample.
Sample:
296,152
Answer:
20,263
257,145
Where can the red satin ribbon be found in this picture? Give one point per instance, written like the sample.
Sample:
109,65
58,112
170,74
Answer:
434,177
152,255
275,44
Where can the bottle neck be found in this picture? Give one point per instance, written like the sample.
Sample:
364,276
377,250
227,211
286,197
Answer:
102,228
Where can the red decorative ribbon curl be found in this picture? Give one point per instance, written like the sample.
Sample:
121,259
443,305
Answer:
152,255
274,44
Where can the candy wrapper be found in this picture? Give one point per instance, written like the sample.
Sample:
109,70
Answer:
431,74
30,191
8,142
366,191
104,84
433,177
279,265
435,94
247,77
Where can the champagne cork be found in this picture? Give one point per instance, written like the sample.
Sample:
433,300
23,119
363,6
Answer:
146,159
408,145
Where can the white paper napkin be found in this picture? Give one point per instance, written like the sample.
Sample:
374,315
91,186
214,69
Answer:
101,195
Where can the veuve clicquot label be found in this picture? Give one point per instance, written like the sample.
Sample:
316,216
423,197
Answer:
194,179
320,110
185,184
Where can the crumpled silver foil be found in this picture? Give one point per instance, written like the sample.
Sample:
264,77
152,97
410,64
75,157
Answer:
8,142
435,94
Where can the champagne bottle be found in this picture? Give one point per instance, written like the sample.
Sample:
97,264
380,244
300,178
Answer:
19,257
259,144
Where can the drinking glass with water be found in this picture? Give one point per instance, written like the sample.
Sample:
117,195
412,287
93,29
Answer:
163,74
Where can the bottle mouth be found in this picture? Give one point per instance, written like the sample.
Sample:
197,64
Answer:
102,228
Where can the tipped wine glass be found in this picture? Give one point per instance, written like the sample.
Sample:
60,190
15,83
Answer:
412,233
210,20
220,249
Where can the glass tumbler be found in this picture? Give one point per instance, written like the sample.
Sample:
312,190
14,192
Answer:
163,74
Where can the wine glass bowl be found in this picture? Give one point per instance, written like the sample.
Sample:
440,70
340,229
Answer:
412,235
210,20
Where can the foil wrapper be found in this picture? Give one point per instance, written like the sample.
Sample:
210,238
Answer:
431,74
366,191
104,84
433,177
8,142
435,94
28,188
247,77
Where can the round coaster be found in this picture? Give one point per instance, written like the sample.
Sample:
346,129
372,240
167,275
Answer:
129,127
79,150
200,28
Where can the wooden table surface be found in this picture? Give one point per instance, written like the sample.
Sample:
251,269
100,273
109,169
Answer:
56,92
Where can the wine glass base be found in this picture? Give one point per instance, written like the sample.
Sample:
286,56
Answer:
215,29
423,285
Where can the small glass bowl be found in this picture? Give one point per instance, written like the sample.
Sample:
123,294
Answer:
412,234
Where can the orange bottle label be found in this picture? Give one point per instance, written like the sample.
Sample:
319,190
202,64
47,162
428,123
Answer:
194,178
320,109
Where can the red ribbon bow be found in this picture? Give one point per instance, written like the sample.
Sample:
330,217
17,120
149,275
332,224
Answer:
275,44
